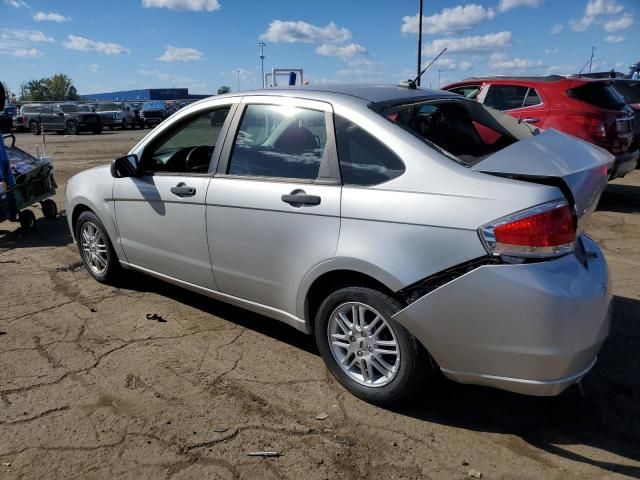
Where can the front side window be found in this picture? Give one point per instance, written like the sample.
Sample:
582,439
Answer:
532,98
505,97
188,147
363,159
68,108
469,91
279,141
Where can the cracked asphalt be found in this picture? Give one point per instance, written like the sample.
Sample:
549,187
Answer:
90,388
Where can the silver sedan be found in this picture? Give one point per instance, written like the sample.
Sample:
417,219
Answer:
408,230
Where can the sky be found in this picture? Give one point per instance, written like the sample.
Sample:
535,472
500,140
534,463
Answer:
203,44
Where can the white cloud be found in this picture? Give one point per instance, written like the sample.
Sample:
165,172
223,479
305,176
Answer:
85,45
291,32
500,62
342,51
473,44
618,25
594,9
50,17
94,67
557,28
505,5
16,3
193,5
176,54
461,17
22,43
551,51
27,52
614,39
464,66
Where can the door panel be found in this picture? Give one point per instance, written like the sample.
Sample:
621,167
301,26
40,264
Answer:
165,231
262,247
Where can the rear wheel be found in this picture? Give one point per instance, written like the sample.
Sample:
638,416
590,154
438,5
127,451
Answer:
27,220
72,128
34,128
96,249
49,209
365,349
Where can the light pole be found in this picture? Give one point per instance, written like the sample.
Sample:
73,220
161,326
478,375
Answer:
439,78
238,72
262,45
419,41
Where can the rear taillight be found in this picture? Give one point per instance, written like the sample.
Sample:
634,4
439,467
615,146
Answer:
595,127
548,230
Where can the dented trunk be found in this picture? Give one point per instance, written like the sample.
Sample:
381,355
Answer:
579,169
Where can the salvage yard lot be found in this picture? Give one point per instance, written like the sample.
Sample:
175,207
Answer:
92,388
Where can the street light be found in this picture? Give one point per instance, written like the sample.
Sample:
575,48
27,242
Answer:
419,42
262,45
238,72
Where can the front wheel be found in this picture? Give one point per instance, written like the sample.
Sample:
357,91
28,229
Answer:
49,209
96,249
72,128
365,349
34,127
27,220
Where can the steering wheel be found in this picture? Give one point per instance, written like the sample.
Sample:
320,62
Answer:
190,162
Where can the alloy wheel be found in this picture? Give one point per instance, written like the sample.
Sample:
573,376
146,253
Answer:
94,248
363,344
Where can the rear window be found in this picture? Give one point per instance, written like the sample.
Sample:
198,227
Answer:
599,94
69,108
109,107
27,109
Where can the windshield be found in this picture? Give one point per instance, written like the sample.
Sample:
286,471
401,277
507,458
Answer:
69,108
153,105
462,130
599,94
108,107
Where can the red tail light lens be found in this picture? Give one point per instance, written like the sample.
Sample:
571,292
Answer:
545,231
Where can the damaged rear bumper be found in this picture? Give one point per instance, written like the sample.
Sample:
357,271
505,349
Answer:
531,328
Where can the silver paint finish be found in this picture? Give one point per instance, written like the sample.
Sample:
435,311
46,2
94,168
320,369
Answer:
533,328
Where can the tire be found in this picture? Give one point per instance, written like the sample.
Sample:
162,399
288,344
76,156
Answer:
49,209
27,220
34,128
410,364
72,128
97,131
89,223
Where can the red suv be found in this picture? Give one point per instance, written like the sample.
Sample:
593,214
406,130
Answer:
588,109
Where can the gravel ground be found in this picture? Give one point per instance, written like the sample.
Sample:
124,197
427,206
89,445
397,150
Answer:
89,388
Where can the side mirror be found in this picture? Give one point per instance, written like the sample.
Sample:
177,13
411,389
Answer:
60,114
126,166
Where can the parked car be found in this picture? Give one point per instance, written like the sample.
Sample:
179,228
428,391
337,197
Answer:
86,108
630,91
403,227
154,112
588,109
115,114
7,115
20,123
63,118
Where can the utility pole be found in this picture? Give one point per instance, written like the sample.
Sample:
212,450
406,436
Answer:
439,78
262,45
593,52
238,72
419,41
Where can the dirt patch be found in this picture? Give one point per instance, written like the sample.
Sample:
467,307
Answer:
90,387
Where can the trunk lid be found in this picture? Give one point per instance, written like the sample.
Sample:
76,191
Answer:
579,169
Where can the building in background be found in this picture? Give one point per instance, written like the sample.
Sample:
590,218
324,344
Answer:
143,95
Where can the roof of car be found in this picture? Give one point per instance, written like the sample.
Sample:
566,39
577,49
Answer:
369,92
530,78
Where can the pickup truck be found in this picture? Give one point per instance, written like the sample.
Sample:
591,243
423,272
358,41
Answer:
63,118
154,112
116,114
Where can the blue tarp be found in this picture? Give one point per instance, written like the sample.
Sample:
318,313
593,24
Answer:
6,174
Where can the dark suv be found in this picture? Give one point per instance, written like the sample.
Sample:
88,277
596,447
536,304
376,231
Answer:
63,118
154,112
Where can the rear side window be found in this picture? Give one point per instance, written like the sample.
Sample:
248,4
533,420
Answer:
279,141
532,99
505,97
599,94
363,159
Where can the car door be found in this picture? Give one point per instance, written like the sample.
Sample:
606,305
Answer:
520,101
160,213
46,118
273,207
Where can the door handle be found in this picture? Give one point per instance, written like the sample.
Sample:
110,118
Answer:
298,198
531,120
181,190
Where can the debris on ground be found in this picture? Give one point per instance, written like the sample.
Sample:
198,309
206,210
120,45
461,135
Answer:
474,474
220,429
264,454
6,464
322,416
156,317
